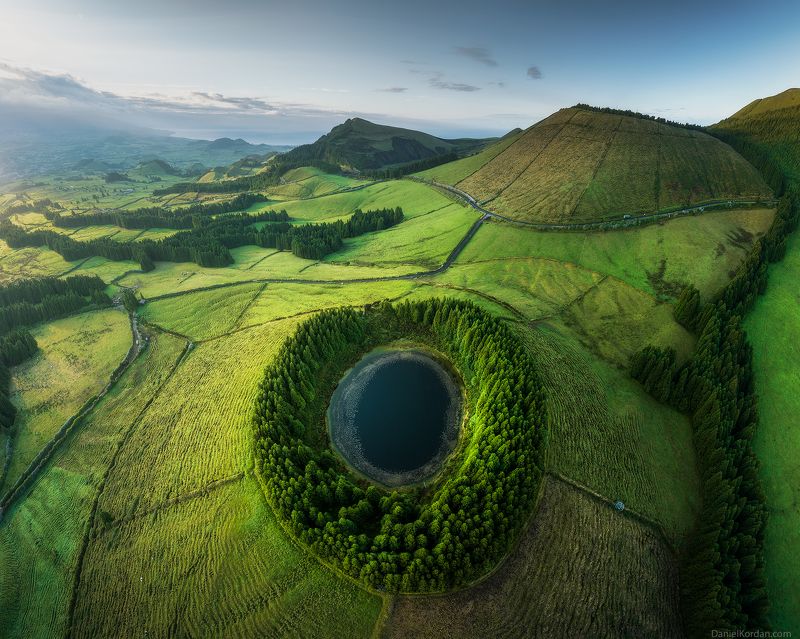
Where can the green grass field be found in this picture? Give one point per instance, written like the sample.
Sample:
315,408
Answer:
454,172
308,182
17,264
609,435
261,580
203,314
75,360
149,520
774,331
659,259
224,567
36,584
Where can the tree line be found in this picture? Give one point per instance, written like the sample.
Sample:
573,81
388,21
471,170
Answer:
156,216
641,116
408,168
209,242
30,207
15,348
29,302
405,540
270,176
722,582
36,300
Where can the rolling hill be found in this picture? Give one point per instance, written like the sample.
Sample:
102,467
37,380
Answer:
771,126
362,145
767,131
38,145
580,164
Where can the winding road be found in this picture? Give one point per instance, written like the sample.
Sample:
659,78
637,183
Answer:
486,214
611,224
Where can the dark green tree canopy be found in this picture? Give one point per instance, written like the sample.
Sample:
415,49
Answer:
403,540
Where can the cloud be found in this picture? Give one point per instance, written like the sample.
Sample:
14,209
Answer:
393,90
34,102
478,54
240,103
534,73
437,81
20,86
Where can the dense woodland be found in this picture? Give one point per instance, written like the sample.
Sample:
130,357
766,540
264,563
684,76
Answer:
723,584
393,539
35,300
156,216
209,242
29,302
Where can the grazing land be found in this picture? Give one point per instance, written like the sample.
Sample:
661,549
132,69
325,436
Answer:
151,517
579,165
77,356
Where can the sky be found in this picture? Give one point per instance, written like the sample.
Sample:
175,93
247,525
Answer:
285,72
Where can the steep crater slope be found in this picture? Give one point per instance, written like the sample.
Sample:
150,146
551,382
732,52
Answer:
580,165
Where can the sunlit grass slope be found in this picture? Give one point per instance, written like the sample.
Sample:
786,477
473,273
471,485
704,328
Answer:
579,165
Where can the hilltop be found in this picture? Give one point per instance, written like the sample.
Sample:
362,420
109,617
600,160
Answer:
789,99
363,145
769,128
582,164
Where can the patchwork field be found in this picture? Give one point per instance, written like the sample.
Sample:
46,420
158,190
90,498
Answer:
609,435
76,358
225,568
37,584
16,264
189,315
308,182
659,259
150,520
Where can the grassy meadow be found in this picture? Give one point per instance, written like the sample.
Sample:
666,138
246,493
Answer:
773,328
150,518
657,259
36,584
76,358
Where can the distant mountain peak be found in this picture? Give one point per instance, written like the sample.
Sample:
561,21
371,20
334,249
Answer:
360,144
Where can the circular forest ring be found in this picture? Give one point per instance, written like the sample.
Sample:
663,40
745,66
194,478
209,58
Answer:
427,537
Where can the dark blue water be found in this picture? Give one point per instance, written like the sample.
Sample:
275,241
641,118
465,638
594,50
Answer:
394,413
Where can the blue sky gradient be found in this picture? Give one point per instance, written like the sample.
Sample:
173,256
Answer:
286,72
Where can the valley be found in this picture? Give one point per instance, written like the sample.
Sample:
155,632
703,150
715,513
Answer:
169,509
